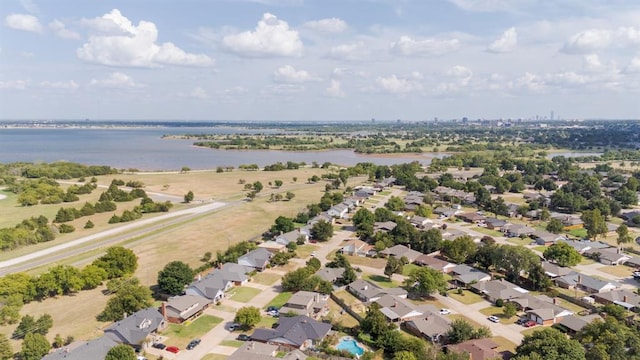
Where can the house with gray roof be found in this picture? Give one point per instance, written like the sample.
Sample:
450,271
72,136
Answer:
573,324
179,309
541,309
367,291
330,274
253,350
214,284
257,259
430,326
309,303
465,275
585,283
135,328
623,297
323,216
400,251
608,256
298,332
517,230
434,263
477,349
339,211
398,310
553,270
291,237
584,245
493,290
384,226
495,224
420,222
543,237
92,349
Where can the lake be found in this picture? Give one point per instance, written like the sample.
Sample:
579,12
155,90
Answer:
143,148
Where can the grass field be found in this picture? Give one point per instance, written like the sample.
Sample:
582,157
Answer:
381,281
338,316
540,248
180,335
496,311
266,321
305,251
244,294
346,296
266,278
504,344
619,270
407,269
466,298
214,357
519,241
488,231
232,343
462,317
280,299
367,261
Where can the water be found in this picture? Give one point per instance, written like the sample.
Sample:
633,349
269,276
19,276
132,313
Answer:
144,149
351,346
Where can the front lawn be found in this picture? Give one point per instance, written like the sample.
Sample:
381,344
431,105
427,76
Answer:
381,281
579,233
497,311
280,299
519,241
407,269
244,294
304,251
232,343
540,248
620,271
266,278
489,232
466,298
346,296
181,334
462,317
504,344
267,321
214,357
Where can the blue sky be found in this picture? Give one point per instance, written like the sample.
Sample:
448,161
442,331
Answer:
319,60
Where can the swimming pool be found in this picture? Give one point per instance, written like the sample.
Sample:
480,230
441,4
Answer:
350,345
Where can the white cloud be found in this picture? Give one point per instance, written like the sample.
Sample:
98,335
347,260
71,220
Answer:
634,66
592,40
426,47
352,52
288,74
62,85
397,85
61,30
199,93
461,73
14,84
23,22
528,83
116,80
283,89
332,25
591,63
489,5
29,6
566,79
272,37
124,44
234,91
505,43
335,89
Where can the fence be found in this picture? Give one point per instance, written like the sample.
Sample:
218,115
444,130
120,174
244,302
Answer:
346,308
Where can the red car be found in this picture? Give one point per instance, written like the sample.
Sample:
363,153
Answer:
530,323
173,349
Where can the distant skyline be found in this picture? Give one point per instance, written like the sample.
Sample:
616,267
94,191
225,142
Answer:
287,60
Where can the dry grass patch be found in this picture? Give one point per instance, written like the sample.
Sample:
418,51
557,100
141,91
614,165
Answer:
243,294
367,261
346,296
467,297
497,311
462,317
620,271
214,357
504,344
266,278
338,316
304,251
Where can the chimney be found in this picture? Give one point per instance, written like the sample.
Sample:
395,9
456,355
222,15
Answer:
624,298
579,279
395,304
555,301
163,310
366,287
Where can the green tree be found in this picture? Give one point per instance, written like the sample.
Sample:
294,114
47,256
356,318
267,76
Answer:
609,339
555,226
395,203
278,183
34,347
374,322
289,195
549,344
322,230
623,235
314,264
26,326
174,277
130,297
539,279
513,260
282,224
92,276
248,316
425,281
562,254
594,222
509,310
121,352
393,267
404,355
349,275
43,324
188,197
545,215
6,352
89,224
118,262
460,249
460,330
295,280
257,186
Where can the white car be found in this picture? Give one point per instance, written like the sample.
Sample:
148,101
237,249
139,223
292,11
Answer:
445,311
494,319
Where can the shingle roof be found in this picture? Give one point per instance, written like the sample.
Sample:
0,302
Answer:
296,329
92,349
136,327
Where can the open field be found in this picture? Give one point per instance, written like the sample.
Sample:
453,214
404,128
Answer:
338,316
346,296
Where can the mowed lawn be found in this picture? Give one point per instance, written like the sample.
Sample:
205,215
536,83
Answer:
280,299
466,298
244,294
266,278
180,334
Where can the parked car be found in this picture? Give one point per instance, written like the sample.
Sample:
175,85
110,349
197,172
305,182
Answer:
445,311
272,308
530,323
173,349
274,313
160,346
243,337
193,343
522,321
234,326
494,319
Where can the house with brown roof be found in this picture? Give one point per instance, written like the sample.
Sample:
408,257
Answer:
430,326
478,349
309,303
179,309
297,332
608,256
434,263
553,270
397,309
471,217
493,290
356,247
399,251
253,350
541,309
367,291
385,226
573,324
420,222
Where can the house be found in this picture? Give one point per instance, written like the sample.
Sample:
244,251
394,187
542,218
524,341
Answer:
541,309
291,237
420,222
434,263
257,259
365,192
298,332
236,273
330,274
323,216
553,271
253,350
493,290
584,245
430,326
585,283
273,247
92,349
608,256
517,230
368,292
353,202
400,251
472,217
478,349
311,304
218,281
465,275
385,183
356,247
628,216
543,237
452,234
383,226
623,297
136,328
495,224
446,212
569,221
179,309
339,211
573,324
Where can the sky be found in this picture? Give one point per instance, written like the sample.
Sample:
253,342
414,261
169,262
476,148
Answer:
334,60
